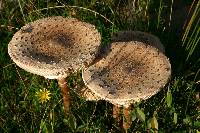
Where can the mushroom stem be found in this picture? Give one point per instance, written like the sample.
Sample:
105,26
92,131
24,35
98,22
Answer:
116,113
126,118
124,121
65,93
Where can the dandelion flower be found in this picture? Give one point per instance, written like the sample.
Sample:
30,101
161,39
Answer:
43,95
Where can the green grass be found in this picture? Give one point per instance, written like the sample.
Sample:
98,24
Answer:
176,107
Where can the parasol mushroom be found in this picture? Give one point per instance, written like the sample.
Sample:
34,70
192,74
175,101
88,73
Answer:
132,71
53,47
126,36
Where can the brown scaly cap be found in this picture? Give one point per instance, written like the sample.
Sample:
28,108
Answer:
52,46
126,36
130,72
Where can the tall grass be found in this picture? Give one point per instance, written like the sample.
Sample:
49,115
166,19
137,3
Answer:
191,36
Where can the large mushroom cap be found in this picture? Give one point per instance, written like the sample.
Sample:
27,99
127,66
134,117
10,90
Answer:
126,36
52,46
130,72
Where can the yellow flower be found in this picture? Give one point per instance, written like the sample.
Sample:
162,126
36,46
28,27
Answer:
43,95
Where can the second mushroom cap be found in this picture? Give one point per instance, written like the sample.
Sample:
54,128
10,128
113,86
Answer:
130,72
147,38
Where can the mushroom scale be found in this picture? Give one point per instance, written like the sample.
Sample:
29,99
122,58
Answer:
52,46
130,72
126,36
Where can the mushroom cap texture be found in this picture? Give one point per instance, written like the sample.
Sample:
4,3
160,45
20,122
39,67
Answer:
132,71
126,36
53,46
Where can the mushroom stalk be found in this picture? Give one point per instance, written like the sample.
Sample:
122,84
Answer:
116,113
125,121
65,93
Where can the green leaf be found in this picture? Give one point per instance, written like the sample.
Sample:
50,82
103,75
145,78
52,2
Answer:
133,115
154,123
65,121
169,98
43,126
149,124
197,124
175,118
140,114
81,128
72,122
187,120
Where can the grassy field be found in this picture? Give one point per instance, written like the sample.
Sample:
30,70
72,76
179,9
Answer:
176,108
